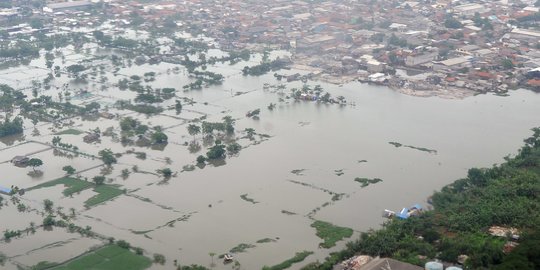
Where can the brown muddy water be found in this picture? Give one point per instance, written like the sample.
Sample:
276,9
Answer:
201,211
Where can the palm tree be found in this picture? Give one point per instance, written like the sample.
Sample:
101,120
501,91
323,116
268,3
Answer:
212,254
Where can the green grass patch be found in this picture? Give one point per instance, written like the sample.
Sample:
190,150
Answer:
73,185
110,251
330,233
105,193
108,258
43,265
300,256
366,181
241,248
70,131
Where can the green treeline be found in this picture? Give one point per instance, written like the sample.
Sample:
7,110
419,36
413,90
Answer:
504,195
11,127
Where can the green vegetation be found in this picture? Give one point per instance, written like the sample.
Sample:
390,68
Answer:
159,258
34,162
300,256
216,152
366,181
69,169
13,127
241,248
107,156
105,193
505,195
73,185
431,151
111,257
264,68
330,233
43,265
265,240
70,131
247,199
98,180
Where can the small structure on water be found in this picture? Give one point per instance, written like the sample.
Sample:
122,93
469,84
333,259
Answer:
5,191
20,161
405,213
228,258
90,138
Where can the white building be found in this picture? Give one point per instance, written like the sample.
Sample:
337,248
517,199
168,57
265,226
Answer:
469,9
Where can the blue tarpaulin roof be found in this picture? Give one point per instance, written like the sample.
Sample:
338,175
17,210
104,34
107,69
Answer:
5,190
403,214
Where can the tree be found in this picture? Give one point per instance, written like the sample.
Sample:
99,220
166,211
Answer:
234,148
212,254
450,22
166,172
125,173
216,152
229,123
158,258
48,205
193,130
178,106
507,64
201,159
123,244
159,137
10,127
68,169
48,221
34,162
99,180
36,23
92,107
250,132
107,156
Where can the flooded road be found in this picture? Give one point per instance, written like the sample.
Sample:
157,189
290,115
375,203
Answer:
203,211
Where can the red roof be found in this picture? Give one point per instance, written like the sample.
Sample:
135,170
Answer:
534,82
483,74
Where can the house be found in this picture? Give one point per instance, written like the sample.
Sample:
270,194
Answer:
452,64
525,35
421,58
107,115
62,6
90,138
20,161
369,263
469,9
5,190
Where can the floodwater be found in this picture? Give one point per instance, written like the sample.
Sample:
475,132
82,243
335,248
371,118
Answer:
201,211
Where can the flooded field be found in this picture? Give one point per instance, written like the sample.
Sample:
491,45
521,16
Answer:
299,166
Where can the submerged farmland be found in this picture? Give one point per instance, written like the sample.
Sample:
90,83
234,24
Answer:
182,159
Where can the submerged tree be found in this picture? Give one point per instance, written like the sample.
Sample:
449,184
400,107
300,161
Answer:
107,156
34,162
